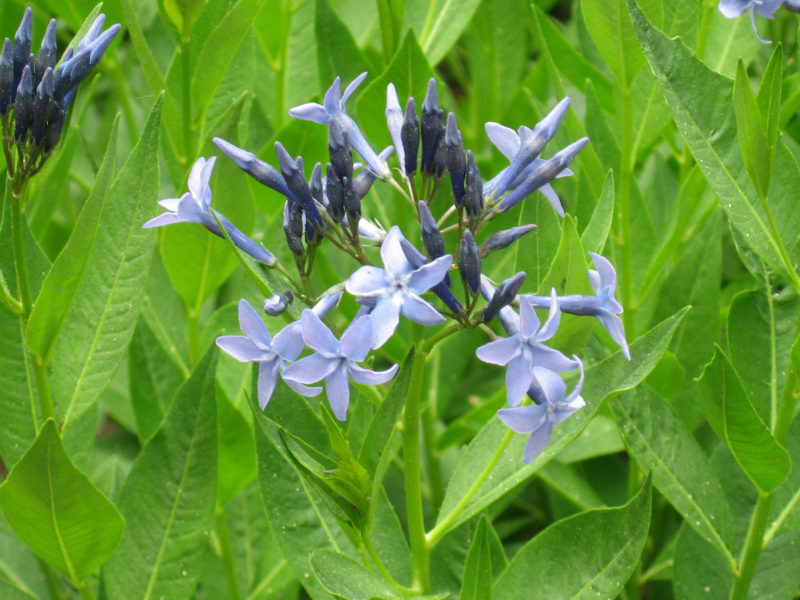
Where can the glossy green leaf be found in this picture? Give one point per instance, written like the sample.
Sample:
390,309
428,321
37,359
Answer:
559,563
337,52
660,443
183,14
596,232
752,138
236,453
770,98
445,20
609,24
111,282
611,376
168,499
731,414
346,578
38,500
477,581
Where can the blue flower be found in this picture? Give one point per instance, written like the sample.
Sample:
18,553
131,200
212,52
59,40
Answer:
335,360
735,8
394,122
524,350
396,288
271,353
539,419
333,109
602,305
195,207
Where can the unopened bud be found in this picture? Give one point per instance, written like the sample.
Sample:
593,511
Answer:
315,183
47,51
409,134
432,238
339,148
334,193
276,304
431,127
473,194
503,239
469,263
23,106
297,183
455,158
504,295
7,90
293,227
22,44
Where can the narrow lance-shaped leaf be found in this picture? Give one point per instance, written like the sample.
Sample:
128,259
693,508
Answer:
477,581
57,511
168,499
753,141
347,578
559,563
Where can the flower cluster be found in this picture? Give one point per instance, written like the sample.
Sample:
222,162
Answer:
765,8
327,207
36,91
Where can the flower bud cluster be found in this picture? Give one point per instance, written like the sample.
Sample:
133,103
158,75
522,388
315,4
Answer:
36,91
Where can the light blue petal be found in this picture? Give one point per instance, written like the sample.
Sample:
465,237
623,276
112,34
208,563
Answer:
351,87
311,369
606,271
368,377
394,122
191,211
312,111
331,100
162,220
252,326
420,311
317,336
170,204
304,390
538,442
429,274
338,389
529,321
267,378
550,326
524,419
327,302
549,358
551,383
385,317
392,255
500,351
357,339
504,138
242,348
519,376
367,281
552,198
734,8
288,342
615,328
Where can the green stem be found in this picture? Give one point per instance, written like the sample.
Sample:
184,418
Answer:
50,580
226,554
787,262
413,478
435,535
85,590
429,418
752,548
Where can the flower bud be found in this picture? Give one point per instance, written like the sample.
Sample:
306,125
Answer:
503,239
47,52
352,202
22,45
42,105
469,263
432,238
315,183
334,193
23,106
431,128
296,181
409,134
55,123
455,158
504,295
248,162
441,289
339,148
7,90
293,227
473,194
276,304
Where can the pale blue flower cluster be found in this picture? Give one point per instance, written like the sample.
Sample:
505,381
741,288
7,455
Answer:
327,206
765,8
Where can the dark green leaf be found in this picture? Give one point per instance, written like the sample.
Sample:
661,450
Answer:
477,581
346,578
752,138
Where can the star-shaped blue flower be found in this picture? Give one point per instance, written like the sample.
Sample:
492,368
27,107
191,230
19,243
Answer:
195,207
271,353
539,419
333,108
524,350
335,360
396,289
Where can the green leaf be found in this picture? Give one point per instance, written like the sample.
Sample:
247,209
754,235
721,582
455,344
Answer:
596,232
183,13
700,103
57,511
112,282
610,27
731,414
219,50
168,499
752,138
726,41
699,571
236,452
603,379
346,578
770,97
61,286
443,25
337,52
477,581
660,443
559,563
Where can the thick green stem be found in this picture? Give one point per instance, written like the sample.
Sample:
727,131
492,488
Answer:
412,465
752,548
226,554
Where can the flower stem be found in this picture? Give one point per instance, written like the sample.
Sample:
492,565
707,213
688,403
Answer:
412,465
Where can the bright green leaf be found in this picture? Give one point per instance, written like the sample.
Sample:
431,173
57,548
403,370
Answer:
596,232
346,578
753,141
477,581
445,20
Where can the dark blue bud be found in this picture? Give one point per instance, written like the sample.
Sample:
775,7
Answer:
473,194
352,202
277,303
54,125
432,238
22,44
297,183
7,89
339,149
239,239
503,239
293,226
70,73
417,259
23,106
364,180
335,193
431,128
94,31
504,295
439,162
315,183
409,134
469,263
47,51
99,46
455,158
43,104
248,162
